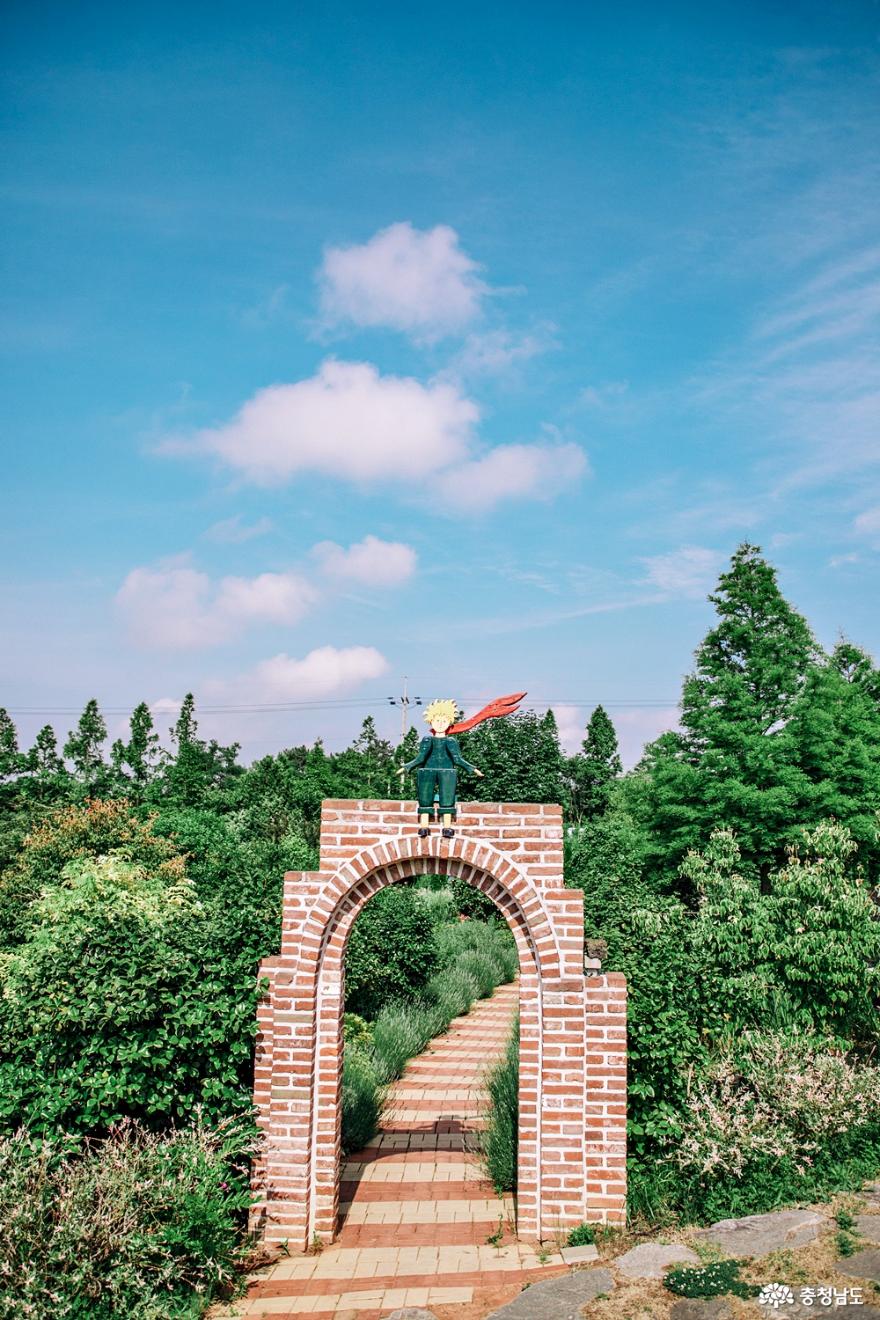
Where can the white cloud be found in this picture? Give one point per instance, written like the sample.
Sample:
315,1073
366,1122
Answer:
372,561
234,531
571,722
176,607
418,281
510,472
838,561
327,671
348,422
690,571
868,523
496,352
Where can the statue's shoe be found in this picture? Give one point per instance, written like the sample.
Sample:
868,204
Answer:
448,834
423,833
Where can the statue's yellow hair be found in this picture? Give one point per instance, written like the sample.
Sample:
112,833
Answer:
445,709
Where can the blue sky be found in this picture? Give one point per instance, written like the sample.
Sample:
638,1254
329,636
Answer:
345,342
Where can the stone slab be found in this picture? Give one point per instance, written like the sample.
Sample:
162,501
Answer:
701,1308
557,1299
757,1235
650,1260
869,1227
862,1265
409,1313
580,1255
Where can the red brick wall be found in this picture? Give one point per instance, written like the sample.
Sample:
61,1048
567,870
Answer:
572,1139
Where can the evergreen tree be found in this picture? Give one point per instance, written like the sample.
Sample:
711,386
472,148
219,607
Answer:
595,768
10,758
139,754
198,768
375,756
84,743
47,779
43,759
731,765
833,739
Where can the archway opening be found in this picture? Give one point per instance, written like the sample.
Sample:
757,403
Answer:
430,1021
342,1099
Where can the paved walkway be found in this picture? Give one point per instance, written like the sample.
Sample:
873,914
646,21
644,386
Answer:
416,1211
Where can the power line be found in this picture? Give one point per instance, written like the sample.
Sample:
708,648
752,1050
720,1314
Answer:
352,703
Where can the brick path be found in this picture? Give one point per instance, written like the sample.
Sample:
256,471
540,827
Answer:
416,1210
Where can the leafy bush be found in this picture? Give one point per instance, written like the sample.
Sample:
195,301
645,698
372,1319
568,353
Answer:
138,1225
717,1280
391,952
500,1138
118,1004
355,1030
95,829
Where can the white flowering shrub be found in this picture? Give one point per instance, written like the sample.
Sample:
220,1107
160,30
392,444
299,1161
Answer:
776,1095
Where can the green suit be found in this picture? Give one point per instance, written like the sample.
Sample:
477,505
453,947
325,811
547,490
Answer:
436,763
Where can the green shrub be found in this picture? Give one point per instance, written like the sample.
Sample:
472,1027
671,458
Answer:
356,1031
399,1033
138,1225
391,951
453,991
362,1097
499,1140
439,904
483,968
582,1236
119,1004
717,1280
71,833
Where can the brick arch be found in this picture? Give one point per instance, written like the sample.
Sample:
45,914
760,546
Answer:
572,1115
479,865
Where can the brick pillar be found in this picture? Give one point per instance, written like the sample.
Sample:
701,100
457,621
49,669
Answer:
605,1105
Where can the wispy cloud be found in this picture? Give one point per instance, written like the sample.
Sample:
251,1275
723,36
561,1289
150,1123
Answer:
691,571
234,530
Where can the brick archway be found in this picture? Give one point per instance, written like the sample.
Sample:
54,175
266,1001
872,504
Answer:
572,1104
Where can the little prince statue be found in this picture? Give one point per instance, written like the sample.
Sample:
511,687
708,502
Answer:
439,758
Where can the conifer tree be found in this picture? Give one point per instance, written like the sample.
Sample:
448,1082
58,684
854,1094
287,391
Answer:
833,740
43,759
595,768
731,766
140,752
84,743
197,767
10,758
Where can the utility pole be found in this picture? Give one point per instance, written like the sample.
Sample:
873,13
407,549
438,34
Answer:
405,701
